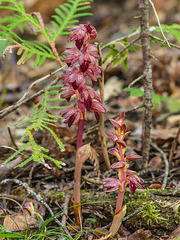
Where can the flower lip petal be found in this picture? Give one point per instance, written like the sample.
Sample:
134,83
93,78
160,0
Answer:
118,165
125,134
121,142
112,184
130,157
115,123
113,151
134,182
97,107
121,118
112,136
96,114
130,172
67,112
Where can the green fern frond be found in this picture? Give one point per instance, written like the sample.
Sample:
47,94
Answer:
25,162
17,152
40,119
64,19
66,16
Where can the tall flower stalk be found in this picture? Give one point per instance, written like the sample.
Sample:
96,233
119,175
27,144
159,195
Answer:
125,175
81,61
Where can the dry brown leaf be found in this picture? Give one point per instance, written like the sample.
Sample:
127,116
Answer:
140,235
155,185
155,162
94,159
175,234
25,219
19,220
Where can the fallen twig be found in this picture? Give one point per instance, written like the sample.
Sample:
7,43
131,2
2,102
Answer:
65,207
159,24
134,213
16,105
136,80
125,48
11,137
5,169
173,147
165,162
161,40
38,81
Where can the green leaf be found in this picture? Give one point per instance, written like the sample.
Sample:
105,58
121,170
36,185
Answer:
12,235
126,66
173,29
158,99
90,219
3,44
134,92
174,105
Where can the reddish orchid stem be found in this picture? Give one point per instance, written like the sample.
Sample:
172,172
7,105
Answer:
77,182
80,125
80,132
119,201
123,177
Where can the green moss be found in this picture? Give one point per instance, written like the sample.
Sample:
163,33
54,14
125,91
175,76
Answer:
152,214
56,195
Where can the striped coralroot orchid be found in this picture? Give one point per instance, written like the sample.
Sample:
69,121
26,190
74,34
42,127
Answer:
81,62
125,175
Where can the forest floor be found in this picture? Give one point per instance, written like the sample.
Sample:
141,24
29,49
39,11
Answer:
152,213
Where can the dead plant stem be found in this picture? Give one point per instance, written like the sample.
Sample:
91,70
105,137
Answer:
101,121
148,89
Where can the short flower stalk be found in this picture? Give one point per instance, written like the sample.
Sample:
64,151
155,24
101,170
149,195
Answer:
81,61
125,175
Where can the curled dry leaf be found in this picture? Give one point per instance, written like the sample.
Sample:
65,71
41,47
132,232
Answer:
103,238
83,153
117,220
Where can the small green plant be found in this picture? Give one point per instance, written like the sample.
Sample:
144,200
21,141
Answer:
150,213
136,92
172,29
